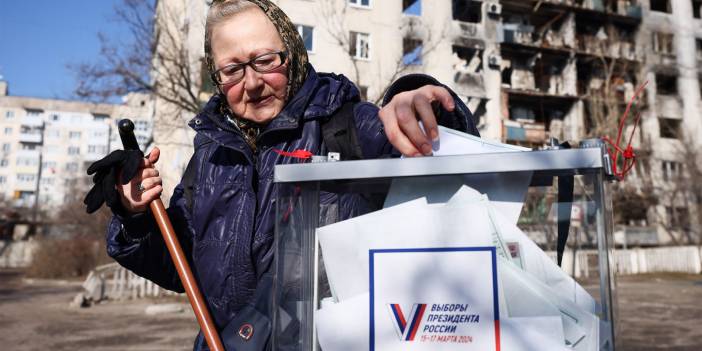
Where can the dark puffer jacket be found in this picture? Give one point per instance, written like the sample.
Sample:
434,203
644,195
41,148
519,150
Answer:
228,232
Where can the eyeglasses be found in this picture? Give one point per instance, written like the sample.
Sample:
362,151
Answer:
234,73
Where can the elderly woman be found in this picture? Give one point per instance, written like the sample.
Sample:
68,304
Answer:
269,99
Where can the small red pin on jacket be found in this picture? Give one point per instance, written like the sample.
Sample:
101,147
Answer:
299,154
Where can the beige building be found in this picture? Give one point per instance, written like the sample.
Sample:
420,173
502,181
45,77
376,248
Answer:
47,144
529,70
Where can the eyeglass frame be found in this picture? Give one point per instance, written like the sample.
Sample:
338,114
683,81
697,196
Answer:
282,54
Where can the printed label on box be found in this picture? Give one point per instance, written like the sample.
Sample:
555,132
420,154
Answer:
434,299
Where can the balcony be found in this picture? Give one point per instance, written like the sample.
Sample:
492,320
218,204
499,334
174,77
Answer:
23,185
469,84
525,132
33,121
31,138
468,34
669,106
28,154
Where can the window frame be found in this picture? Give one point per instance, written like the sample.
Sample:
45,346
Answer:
73,148
358,4
300,30
357,46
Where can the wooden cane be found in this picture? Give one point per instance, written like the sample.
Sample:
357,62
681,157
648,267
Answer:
126,133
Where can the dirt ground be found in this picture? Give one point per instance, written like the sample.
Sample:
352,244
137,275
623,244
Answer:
658,312
35,315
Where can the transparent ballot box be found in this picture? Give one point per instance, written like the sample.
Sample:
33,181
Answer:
446,252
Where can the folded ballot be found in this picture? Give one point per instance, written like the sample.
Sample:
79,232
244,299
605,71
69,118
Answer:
505,190
422,276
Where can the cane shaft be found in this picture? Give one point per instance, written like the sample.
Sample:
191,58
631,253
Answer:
186,276
126,133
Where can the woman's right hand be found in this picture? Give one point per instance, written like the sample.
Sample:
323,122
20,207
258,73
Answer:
132,197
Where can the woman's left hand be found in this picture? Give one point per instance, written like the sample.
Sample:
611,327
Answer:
402,114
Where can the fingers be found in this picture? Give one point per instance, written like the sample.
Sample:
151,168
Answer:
150,159
425,112
154,155
394,134
407,121
442,95
150,182
145,187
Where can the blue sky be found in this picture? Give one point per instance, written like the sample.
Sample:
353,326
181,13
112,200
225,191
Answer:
39,38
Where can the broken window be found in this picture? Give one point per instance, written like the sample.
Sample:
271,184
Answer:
471,59
467,10
663,43
661,6
666,84
669,128
359,45
671,170
696,8
411,51
412,7
521,113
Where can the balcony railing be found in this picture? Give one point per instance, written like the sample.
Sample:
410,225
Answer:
32,138
33,121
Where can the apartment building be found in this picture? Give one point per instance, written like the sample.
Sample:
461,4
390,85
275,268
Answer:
529,70
47,144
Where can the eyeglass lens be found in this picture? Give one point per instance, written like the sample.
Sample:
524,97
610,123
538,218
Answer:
262,64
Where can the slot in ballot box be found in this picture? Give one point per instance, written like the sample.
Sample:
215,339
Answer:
446,253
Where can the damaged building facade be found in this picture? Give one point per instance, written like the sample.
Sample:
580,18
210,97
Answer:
529,70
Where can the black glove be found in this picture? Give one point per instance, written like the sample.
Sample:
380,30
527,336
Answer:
105,179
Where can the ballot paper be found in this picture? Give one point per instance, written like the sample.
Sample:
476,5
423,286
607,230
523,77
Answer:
540,265
516,333
343,326
528,320
454,142
531,258
538,303
506,190
526,296
345,244
532,333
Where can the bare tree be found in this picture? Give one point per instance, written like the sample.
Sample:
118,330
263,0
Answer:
681,195
334,13
155,59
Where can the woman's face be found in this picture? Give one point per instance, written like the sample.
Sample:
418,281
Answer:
258,97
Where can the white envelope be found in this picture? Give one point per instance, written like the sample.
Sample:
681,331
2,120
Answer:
345,244
506,190
580,328
540,265
532,259
343,326
453,142
532,333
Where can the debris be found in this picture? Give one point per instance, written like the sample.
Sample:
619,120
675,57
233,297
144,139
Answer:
164,308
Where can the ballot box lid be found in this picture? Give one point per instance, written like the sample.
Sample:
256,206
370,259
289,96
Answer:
545,161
